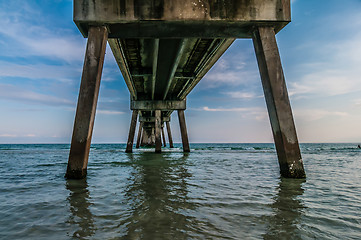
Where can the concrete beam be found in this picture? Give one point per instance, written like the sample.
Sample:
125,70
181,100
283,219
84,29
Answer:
119,56
173,69
87,103
181,18
158,105
133,124
152,119
278,105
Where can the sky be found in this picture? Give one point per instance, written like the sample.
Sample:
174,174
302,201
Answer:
42,53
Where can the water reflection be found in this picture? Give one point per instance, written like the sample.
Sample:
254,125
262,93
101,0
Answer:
288,209
157,193
81,218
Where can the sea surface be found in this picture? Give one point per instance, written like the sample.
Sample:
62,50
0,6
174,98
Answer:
218,191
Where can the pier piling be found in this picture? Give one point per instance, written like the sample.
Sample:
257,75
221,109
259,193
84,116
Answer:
169,135
158,126
133,125
139,137
87,103
278,104
163,137
183,129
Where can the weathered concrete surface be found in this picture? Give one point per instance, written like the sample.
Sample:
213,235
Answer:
169,135
159,105
87,102
163,137
181,18
152,119
278,104
133,125
158,126
183,129
140,130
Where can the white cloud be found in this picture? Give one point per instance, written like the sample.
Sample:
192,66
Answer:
255,113
225,109
30,135
28,39
109,112
335,68
9,92
8,135
234,68
63,73
242,95
310,115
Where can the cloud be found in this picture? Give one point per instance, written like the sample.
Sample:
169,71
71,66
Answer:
207,109
237,66
255,113
333,66
9,92
8,135
63,73
242,95
310,115
26,37
109,112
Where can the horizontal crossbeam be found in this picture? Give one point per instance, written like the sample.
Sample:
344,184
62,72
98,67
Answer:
152,119
157,105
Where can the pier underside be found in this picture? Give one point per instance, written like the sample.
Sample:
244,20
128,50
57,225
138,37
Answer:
163,49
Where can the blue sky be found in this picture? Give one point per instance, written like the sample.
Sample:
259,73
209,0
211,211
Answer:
41,58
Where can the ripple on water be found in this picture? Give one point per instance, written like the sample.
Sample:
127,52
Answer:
225,191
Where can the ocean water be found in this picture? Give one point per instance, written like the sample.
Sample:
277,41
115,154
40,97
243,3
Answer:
218,191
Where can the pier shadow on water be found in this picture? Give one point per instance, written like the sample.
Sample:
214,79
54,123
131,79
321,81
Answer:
287,211
157,192
81,219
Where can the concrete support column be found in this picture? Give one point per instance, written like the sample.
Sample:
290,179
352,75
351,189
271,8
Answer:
87,103
144,137
278,105
169,135
163,137
158,141
133,125
183,129
139,134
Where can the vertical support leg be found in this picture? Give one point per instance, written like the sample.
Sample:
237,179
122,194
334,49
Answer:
158,141
163,137
139,134
144,137
278,105
169,135
183,128
133,124
87,103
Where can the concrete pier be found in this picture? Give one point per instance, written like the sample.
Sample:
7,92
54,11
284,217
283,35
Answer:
170,139
87,103
163,49
183,129
133,125
158,126
139,137
163,136
278,104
